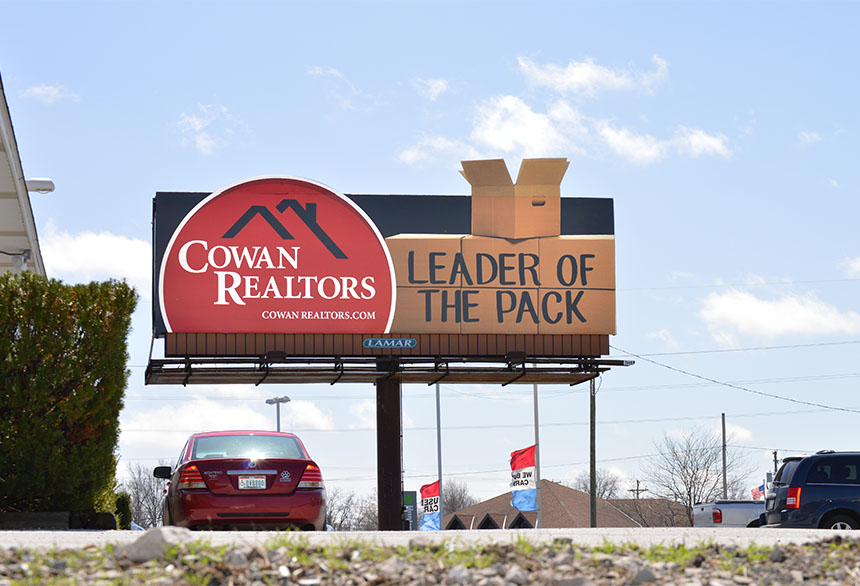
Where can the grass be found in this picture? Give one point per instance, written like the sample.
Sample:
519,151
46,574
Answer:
199,563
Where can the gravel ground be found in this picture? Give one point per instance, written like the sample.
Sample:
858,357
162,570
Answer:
175,557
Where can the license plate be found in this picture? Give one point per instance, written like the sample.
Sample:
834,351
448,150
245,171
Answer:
252,482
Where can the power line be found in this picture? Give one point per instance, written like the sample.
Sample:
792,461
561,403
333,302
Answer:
509,394
738,387
482,473
750,349
740,285
527,425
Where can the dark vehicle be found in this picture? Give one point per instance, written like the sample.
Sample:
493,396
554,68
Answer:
244,479
818,491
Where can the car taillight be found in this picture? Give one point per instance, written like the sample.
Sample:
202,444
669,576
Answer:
717,515
312,478
191,478
792,499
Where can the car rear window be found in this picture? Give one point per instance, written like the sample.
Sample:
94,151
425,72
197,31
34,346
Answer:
786,472
247,446
839,470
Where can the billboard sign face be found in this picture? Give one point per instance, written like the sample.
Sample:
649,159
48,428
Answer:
279,255
276,255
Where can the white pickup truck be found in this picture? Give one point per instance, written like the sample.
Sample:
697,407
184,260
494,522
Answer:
728,513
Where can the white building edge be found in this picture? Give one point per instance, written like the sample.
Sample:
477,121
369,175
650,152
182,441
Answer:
19,242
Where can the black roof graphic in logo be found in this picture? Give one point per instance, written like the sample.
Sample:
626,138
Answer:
307,214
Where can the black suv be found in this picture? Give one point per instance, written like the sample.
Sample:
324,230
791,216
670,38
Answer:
822,490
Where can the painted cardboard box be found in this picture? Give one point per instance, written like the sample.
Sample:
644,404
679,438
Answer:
539,282
529,208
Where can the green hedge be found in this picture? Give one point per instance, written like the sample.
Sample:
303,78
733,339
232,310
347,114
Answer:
123,510
63,356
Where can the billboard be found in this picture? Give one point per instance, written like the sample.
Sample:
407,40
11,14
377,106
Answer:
281,255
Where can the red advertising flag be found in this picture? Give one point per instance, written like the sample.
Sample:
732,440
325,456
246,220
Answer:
524,458
430,490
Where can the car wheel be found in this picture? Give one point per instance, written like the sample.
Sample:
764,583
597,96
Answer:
841,522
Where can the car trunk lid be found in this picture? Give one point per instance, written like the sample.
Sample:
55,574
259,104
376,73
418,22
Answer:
244,476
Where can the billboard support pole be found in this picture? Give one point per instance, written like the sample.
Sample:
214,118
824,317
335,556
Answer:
592,484
439,456
389,454
537,457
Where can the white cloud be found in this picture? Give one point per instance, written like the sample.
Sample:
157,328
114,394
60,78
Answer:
306,415
666,338
209,128
317,71
507,124
578,77
428,146
430,88
586,78
342,92
50,94
88,256
696,143
363,415
642,149
738,313
651,79
735,433
166,428
571,123
807,138
851,266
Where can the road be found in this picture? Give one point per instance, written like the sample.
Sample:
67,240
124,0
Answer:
742,537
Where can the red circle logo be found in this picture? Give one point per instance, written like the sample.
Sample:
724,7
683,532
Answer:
277,255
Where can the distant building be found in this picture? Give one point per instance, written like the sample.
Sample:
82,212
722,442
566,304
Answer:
19,243
561,506
565,507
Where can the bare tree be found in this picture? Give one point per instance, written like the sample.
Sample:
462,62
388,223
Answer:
367,518
456,496
146,492
342,509
689,469
608,483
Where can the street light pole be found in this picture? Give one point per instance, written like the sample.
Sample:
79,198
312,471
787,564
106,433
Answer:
276,401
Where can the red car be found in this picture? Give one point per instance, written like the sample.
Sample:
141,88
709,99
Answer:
244,479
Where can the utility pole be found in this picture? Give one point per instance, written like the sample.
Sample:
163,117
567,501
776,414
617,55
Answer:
637,490
775,462
592,496
725,484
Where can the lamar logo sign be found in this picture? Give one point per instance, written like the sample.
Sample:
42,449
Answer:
277,255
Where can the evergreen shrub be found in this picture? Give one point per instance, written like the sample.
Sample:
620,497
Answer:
63,373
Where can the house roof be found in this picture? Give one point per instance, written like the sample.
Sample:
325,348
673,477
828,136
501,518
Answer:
561,506
19,242
653,512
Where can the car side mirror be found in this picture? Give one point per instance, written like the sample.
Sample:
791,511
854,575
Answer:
162,472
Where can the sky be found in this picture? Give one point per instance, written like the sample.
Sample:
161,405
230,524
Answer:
726,133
